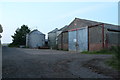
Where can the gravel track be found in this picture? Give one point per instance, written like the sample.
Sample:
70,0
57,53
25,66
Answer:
40,63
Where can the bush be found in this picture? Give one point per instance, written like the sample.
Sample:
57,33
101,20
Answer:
116,51
12,45
115,60
117,55
103,51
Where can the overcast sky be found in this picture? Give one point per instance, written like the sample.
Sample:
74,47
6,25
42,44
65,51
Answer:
46,16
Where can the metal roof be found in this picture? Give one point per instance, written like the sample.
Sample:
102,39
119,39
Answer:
53,31
36,32
84,23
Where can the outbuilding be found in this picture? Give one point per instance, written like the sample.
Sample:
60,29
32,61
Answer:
86,35
35,39
52,35
62,39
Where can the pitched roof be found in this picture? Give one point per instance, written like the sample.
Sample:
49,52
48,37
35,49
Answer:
53,31
63,28
37,32
77,23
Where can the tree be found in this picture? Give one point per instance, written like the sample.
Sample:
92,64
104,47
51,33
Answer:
1,30
19,37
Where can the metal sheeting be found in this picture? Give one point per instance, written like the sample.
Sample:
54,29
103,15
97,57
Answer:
35,39
71,41
78,40
83,39
113,38
52,40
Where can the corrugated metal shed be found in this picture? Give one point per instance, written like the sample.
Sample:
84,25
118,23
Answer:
35,39
52,38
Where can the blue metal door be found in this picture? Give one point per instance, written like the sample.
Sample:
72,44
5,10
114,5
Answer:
82,39
71,41
78,40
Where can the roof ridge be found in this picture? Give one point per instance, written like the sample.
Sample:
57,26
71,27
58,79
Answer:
35,30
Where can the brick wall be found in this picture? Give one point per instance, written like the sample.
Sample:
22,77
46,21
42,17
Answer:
95,38
95,46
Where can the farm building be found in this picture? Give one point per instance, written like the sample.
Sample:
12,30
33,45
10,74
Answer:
52,38
112,36
62,39
35,39
86,35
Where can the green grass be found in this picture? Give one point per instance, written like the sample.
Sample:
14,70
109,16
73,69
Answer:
103,51
114,62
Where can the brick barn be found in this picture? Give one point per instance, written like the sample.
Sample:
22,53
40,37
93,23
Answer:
86,35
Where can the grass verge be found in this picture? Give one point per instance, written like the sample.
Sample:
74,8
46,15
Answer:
114,62
103,51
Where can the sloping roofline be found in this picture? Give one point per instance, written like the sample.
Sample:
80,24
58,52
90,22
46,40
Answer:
53,31
34,31
91,21
96,22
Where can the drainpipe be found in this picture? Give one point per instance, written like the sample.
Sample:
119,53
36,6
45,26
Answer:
102,35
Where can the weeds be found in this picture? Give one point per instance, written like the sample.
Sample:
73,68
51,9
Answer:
103,51
114,61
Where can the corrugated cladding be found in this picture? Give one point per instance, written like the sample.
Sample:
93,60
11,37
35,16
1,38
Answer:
112,33
59,42
113,37
78,40
52,40
35,39
72,38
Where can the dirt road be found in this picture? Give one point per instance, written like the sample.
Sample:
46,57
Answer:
37,63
